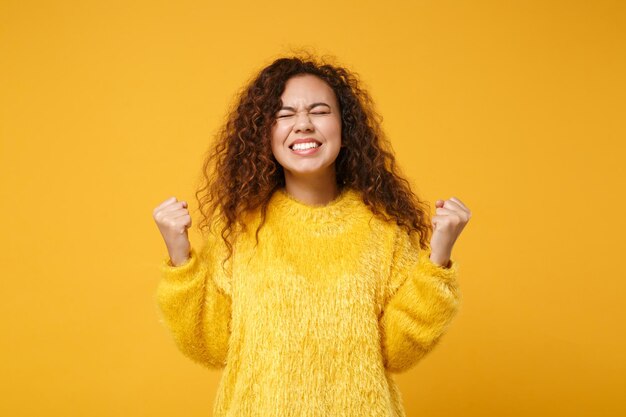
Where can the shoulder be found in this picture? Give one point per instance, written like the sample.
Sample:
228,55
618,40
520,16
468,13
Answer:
382,222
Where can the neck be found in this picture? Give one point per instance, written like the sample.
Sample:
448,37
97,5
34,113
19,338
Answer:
337,216
312,191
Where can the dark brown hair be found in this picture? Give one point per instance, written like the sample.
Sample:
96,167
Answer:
240,172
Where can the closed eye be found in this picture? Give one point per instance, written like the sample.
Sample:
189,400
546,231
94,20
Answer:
289,115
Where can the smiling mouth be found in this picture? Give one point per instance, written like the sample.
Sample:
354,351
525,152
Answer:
306,151
316,142
313,147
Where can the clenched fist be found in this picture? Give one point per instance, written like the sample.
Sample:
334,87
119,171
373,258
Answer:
173,220
450,219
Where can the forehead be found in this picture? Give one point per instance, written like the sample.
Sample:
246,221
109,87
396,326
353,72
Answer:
307,88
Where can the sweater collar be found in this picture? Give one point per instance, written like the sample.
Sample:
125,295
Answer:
287,208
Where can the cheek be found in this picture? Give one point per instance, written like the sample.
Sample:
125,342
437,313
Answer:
331,129
279,135
280,130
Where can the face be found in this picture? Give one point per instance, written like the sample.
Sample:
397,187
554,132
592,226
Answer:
309,111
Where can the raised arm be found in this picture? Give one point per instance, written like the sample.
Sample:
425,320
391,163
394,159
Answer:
421,300
194,300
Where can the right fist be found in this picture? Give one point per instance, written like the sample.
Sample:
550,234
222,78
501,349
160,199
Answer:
173,220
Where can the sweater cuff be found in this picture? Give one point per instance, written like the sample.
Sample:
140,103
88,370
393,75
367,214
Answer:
427,266
177,272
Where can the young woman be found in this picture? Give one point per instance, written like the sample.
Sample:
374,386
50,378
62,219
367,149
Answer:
327,275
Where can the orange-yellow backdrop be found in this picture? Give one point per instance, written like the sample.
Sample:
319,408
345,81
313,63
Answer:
517,108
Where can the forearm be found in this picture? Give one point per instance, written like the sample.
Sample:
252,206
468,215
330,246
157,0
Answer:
195,310
419,313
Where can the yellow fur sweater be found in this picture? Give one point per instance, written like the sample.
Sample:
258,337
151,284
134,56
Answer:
315,319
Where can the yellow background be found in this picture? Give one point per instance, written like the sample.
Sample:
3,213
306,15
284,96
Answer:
515,107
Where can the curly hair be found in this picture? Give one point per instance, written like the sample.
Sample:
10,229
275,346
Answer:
240,172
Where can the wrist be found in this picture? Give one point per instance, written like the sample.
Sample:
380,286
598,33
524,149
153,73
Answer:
441,261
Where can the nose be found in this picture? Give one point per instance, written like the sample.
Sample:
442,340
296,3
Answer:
303,123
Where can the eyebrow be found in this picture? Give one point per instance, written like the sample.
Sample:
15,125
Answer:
308,108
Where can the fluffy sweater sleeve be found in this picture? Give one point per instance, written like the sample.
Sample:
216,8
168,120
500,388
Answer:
421,299
195,304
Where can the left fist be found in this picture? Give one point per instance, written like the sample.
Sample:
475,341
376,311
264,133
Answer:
450,219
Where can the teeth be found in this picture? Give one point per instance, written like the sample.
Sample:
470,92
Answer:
302,146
